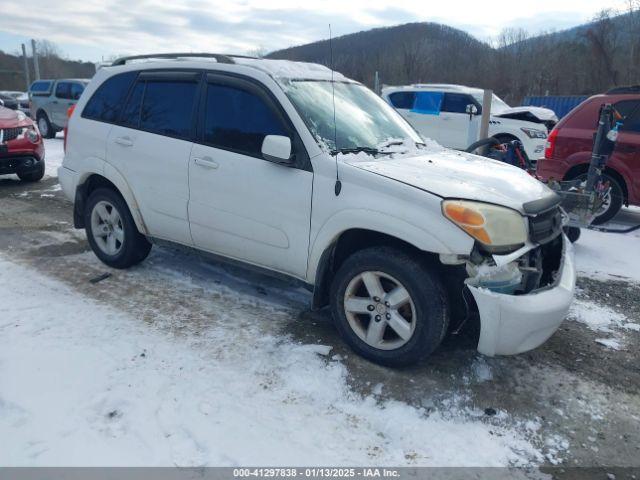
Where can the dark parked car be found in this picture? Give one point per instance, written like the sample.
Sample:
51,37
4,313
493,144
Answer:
569,145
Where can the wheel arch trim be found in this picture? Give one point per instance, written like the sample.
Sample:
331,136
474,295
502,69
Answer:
104,170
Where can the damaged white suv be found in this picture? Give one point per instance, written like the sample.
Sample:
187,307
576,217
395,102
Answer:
240,158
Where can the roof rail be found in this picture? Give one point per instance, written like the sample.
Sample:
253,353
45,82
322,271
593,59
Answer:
623,90
220,58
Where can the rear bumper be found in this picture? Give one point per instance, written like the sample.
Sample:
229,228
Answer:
68,180
512,324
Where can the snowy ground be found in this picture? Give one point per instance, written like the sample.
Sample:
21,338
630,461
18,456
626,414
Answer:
181,362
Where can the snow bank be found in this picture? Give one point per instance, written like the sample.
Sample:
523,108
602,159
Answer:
82,384
53,154
610,255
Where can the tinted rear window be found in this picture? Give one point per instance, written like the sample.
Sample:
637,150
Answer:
404,100
167,108
40,87
238,120
106,102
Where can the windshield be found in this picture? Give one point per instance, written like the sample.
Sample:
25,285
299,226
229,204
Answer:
362,119
497,104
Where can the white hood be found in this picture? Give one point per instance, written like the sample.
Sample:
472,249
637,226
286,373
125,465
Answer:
451,174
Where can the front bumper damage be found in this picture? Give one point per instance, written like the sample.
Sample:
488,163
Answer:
512,324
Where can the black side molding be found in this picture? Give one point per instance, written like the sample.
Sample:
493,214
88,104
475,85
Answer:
542,204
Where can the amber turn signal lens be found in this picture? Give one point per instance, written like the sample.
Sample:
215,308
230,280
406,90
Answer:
463,215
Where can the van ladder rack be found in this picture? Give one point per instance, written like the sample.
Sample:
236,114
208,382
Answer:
220,58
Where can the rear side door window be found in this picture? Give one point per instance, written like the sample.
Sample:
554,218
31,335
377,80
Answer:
63,90
239,119
168,104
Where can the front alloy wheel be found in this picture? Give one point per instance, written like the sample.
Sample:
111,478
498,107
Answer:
389,305
380,310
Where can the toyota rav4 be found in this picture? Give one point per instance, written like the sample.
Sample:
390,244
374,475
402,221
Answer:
299,171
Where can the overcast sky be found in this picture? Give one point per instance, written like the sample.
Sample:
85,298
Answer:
92,29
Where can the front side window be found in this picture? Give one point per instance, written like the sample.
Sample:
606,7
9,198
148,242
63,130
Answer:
106,102
167,108
63,90
238,120
456,102
362,119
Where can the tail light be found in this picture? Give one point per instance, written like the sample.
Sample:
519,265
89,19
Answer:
66,128
550,147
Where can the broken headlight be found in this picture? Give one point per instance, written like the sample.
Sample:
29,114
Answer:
495,227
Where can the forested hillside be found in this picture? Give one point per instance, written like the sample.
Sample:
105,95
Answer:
584,60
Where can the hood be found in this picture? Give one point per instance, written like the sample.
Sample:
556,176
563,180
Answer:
13,118
540,113
451,174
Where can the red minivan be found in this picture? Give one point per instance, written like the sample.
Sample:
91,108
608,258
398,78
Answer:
569,145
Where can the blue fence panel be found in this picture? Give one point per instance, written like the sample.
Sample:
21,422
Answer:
559,104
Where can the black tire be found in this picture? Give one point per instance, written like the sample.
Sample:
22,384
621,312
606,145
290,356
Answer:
425,290
134,247
44,125
572,233
617,198
34,176
484,144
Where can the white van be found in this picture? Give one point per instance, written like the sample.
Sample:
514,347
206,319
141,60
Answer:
241,159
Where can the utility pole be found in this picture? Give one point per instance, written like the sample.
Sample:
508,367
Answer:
486,113
376,83
27,76
36,65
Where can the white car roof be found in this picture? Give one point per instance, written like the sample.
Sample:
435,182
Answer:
436,87
278,69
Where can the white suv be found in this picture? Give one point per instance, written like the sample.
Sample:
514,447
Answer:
450,114
240,158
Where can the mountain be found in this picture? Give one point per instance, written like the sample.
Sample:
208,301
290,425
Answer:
51,66
583,60
417,51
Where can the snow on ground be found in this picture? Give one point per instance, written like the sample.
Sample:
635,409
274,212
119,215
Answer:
53,154
611,255
602,319
83,384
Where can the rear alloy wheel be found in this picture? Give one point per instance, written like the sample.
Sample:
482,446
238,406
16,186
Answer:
45,127
112,232
389,306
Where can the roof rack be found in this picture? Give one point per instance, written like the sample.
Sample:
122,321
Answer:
623,90
220,58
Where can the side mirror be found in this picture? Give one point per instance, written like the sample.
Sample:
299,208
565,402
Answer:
277,149
471,109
